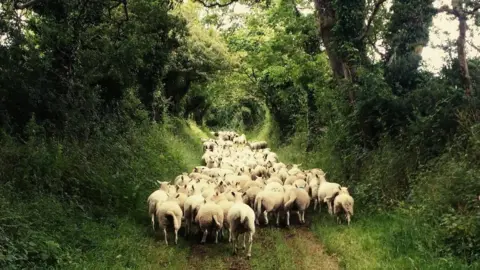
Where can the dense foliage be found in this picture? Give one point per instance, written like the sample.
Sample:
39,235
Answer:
93,92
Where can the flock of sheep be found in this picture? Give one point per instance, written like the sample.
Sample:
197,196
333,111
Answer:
238,186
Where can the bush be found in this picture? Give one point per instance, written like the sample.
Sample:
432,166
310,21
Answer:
50,189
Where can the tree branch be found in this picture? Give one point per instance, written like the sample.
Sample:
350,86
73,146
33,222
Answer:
125,10
28,4
216,4
376,49
476,7
473,46
376,8
448,10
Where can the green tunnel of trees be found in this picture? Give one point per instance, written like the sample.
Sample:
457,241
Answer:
90,78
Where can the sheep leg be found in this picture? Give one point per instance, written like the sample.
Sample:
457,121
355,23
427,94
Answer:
234,242
330,211
153,222
299,217
348,218
204,238
176,236
229,235
303,217
244,239
250,242
278,218
216,236
165,234
288,218
265,216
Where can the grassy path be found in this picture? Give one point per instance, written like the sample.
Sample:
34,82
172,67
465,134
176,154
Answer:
273,248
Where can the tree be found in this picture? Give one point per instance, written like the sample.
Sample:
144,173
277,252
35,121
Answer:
407,33
462,9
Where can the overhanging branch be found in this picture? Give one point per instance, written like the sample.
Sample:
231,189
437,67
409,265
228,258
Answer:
374,47
476,7
473,46
376,8
28,4
447,10
216,4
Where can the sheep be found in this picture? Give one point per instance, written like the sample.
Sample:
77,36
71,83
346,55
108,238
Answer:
241,219
182,179
294,170
226,205
190,206
343,202
313,184
296,199
169,209
240,139
210,216
251,194
326,191
238,172
274,186
274,179
300,183
269,201
291,179
158,196
260,171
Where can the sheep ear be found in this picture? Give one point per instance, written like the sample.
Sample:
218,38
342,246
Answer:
233,193
185,186
178,195
177,187
159,182
198,180
193,187
296,185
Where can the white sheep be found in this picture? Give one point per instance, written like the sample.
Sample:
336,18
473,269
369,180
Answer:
241,219
326,191
343,202
296,199
268,201
251,194
210,216
158,196
191,205
169,210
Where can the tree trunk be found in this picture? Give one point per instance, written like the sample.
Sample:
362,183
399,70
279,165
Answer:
462,56
340,66
326,20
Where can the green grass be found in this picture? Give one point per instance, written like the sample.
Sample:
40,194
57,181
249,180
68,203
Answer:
66,205
398,239
384,241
